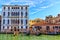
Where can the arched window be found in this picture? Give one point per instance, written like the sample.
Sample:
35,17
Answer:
26,8
18,7
8,13
26,27
21,8
26,22
21,26
47,28
3,21
21,14
8,21
18,28
11,28
21,21
59,20
56,27
26,14
59,27
8,8
7,27
3,27
3,13
12,7
4,8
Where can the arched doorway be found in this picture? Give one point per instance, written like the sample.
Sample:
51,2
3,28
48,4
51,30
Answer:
16,31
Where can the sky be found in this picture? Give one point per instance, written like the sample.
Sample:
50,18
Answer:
37,8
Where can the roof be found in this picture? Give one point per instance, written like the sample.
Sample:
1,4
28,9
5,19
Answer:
44,23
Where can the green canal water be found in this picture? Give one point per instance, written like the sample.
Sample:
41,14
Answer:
30,37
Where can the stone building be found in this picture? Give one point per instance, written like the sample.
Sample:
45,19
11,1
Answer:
14,16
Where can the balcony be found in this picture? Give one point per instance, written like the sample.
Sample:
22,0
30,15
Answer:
13,16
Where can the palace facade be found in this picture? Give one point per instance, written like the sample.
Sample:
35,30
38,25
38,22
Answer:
14,16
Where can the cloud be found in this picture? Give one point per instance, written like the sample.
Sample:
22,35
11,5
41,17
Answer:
31,3
44,7
53,3
23,2
47,6
37,10
39,1
18,2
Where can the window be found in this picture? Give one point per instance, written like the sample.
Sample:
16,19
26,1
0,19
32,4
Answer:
59,27
26,21
18,13
59,20
11,28
21,26
8,13
21,21
3,27
47,21
4,8
26,14
21,8
14,28
47,28
56,27
15,14
8,21
21,14
18,7
3,21
12,13
7,27
3,13
8,8
53,27
15,7
38,27
26,8
26,27
18,28
15,21
12,7
18,22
